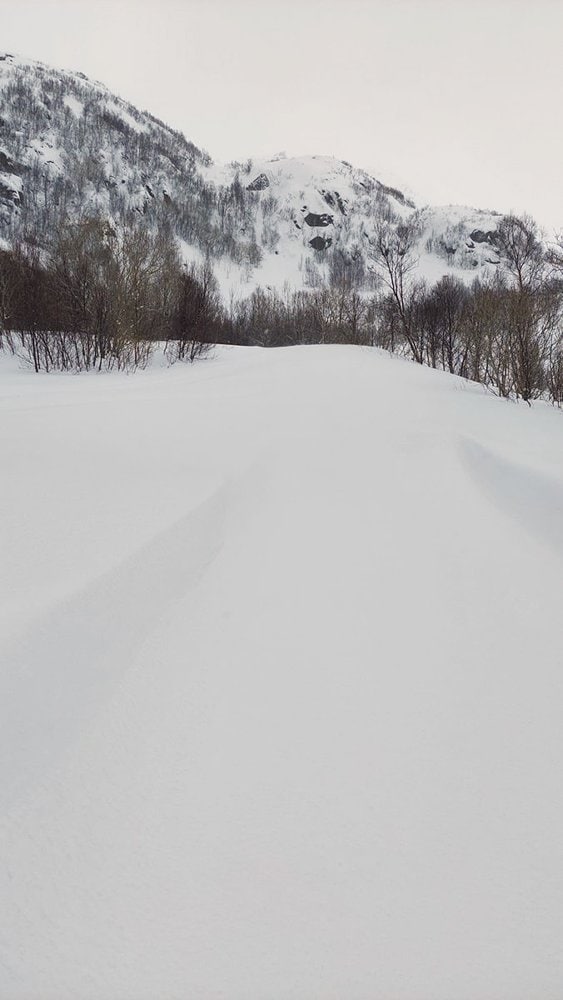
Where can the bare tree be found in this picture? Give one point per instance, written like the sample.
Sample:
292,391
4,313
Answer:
520,243
392,251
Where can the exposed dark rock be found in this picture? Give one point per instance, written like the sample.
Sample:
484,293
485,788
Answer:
149,190
320,242
314,220
478,236
333,199
259,183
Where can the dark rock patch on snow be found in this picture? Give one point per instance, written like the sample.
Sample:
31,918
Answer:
478,236
320,242
314,220
259,183
334,200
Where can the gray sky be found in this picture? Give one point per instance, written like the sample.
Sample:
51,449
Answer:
459,100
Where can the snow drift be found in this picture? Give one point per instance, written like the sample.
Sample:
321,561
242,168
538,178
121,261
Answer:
281,684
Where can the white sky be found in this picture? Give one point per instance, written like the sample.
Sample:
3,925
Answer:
460,101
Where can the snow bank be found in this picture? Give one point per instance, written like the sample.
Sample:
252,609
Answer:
281,685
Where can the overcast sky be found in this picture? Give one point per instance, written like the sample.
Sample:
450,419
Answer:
459,100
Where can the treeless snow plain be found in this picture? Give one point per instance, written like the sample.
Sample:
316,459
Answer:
281,694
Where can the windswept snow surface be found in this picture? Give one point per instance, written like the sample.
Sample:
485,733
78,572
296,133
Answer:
281,687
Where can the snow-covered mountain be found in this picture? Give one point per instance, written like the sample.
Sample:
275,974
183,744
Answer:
68,146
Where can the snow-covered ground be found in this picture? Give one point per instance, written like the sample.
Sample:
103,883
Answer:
282,684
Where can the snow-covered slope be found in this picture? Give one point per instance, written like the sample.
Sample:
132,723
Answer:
457,240
310,213
68,146
281,687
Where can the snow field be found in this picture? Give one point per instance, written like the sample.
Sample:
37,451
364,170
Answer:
281,685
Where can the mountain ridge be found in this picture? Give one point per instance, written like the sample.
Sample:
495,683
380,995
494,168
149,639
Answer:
69,147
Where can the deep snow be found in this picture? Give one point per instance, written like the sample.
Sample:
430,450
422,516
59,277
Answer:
282,684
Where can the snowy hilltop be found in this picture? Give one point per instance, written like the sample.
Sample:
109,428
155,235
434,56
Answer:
69,147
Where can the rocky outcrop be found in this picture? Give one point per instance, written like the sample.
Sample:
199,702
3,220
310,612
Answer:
478,236
320,242
315,221
334,200
259,183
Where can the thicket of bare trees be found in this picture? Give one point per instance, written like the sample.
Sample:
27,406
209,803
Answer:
505,331
322,316
101,297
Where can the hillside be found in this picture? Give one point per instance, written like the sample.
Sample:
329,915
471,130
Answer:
69,147
280,706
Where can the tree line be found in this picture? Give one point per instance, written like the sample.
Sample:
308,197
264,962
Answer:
505,330
103,296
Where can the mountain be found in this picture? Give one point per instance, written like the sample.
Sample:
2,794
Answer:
69,147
